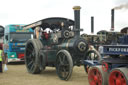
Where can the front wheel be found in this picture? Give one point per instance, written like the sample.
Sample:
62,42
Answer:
64,64
96,76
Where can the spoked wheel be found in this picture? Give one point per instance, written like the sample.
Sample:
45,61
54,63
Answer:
32,56
96,76
91,55
118,76
64,65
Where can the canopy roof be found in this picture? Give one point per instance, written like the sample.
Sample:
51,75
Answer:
52,23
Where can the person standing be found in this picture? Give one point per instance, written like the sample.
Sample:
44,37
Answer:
1,70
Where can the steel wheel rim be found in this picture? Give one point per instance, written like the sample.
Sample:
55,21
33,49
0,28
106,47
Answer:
30,56
94,77
117,78
63,67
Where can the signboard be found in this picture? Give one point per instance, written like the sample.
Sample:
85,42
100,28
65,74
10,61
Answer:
22,30
116,50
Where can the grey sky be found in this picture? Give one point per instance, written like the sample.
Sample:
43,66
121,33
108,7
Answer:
28,11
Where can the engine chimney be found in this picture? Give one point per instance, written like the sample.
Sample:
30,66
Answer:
77,20
112,20
92,24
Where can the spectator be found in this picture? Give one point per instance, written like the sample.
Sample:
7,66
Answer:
1,70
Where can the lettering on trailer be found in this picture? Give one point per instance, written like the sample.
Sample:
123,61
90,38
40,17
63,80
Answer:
33,25
118,49
22,30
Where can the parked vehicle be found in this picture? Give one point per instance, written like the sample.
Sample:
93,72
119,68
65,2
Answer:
61,47
15,38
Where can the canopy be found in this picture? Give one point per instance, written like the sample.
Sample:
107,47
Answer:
52,23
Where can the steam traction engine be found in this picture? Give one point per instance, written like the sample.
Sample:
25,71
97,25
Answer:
61,47
113,68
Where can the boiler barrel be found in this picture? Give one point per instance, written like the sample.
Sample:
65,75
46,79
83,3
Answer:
74,45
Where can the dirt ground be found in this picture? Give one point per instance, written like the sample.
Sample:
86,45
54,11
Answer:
17,75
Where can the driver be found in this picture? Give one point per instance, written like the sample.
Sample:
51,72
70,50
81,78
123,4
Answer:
37,32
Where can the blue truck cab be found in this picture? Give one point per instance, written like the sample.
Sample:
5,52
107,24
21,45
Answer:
15,38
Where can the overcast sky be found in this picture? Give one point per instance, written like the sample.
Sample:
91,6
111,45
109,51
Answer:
29,11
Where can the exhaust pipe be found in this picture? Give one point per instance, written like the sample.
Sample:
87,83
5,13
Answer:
77,20
112,20
92,24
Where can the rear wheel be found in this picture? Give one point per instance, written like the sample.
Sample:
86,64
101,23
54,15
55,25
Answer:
64,65
118,76
32,56
96,76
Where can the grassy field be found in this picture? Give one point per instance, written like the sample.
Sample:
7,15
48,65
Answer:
18,75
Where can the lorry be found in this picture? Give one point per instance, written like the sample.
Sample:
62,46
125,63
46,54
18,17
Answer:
15,38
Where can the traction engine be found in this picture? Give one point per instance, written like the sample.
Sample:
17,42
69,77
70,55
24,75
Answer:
112,69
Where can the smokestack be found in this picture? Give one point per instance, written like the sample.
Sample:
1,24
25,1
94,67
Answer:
112,20
92,24
77,19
